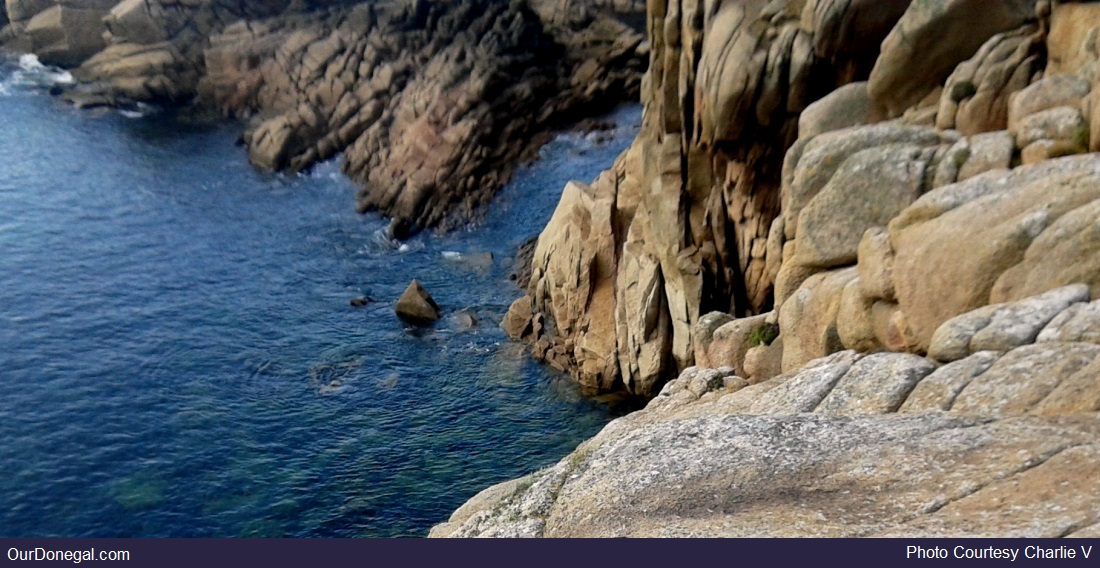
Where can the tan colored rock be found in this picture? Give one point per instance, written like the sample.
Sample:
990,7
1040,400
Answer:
823,156
803,390
791,275
875,263
717,475
808,319
1042,150
1002,327
733,339
416,305
855,322
988,151
867,191
1078,322
764,362
848,27
20,11
891,329
1000,216
1067,252
517,322
976,97
1071,40
950,162
847,106
644,351
133,21
1048,93
580,234
876,384
703,332
937,391
1079,392
68,34
929,40
1059,123
1011,501
1019,381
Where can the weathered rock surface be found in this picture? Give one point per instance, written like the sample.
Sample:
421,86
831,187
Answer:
807,475
931,38
1001,327
688,210
977,96
1024,232
709,455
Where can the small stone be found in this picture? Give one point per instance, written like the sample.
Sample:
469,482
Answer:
360,301
465,320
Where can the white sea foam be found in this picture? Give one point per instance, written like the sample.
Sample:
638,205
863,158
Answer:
33,71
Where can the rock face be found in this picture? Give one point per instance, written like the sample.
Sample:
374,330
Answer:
886,444
431,103
680,225
868,233
931,250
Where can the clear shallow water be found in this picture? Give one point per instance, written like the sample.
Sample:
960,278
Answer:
172,321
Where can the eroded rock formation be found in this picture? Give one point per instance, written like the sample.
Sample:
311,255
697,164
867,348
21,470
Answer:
929,363
679,227
431,103
861,218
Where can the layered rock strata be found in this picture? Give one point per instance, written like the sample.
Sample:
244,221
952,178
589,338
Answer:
431,103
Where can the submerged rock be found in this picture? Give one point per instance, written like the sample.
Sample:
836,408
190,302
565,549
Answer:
416,305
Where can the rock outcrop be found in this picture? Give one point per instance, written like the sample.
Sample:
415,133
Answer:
995,443
683,218
956,176
432,104
927,247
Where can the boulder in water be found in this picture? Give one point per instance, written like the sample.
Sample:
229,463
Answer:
416,305
360,301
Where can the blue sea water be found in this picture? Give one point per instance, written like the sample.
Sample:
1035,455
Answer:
178,356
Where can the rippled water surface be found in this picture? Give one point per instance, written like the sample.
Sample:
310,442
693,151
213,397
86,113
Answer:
178,356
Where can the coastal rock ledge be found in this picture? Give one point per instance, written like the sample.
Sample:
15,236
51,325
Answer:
998,443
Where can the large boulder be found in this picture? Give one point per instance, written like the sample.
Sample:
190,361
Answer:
68,33
847,106
869,189
1001,327
930,39
998,237
977,95
807,172
416,305
1071,41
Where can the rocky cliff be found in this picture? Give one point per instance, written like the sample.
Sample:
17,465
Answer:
852,174
431,103
874,230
